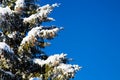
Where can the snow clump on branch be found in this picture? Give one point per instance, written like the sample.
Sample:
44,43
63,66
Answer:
20,4
5,10
52,60
5,47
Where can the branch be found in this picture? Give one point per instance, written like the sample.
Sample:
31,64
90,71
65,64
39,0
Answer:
41,15
35,36
56,68
67,69
52,61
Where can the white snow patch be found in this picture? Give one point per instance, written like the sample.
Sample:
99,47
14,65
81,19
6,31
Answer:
5,47
19,3
5,10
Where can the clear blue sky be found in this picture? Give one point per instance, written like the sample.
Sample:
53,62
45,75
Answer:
91,36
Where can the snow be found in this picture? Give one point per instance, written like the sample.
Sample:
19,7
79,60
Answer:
31,35
56,59
19,3
30,19
52,60
50,33
5,47
5,10
68,69
34,31
39,61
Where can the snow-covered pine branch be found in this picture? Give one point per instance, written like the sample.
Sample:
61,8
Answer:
66,71
52,61
41,15
34,36
61,70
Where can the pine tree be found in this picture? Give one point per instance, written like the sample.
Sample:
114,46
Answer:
22,39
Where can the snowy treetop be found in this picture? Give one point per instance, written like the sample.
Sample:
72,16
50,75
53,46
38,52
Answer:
22,43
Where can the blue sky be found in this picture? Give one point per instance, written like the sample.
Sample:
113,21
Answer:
91,36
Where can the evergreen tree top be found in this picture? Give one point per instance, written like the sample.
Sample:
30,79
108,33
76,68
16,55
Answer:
22,39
